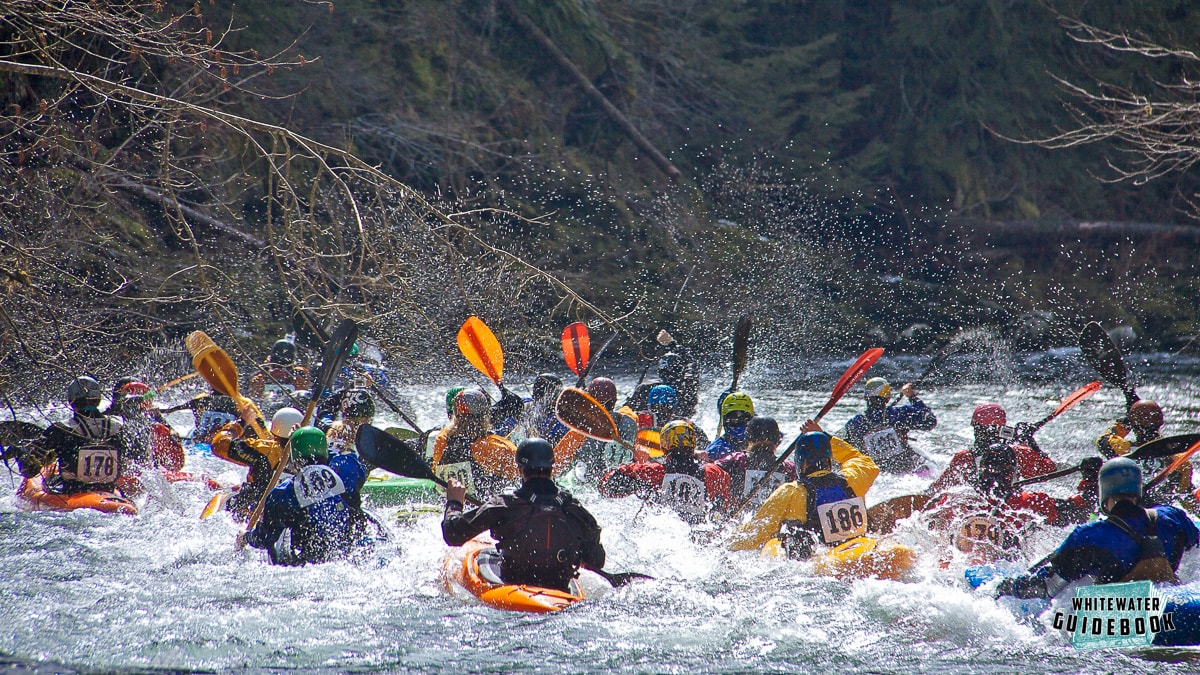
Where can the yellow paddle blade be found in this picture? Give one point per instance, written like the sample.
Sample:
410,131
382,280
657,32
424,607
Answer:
479,345
213,364
577,409
650,441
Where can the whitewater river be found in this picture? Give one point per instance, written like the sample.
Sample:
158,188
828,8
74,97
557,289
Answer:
165,591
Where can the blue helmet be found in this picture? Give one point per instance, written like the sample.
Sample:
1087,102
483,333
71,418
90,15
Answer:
814,450
1119,476
663,394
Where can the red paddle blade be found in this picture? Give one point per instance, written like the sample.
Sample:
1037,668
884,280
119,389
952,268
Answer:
576,346
1077,396
1179,461
853,374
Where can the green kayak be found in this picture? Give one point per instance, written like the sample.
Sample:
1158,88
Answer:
385,489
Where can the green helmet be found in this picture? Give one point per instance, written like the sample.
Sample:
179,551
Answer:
450,400
309,444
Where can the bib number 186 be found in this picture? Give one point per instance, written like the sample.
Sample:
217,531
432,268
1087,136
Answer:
843,520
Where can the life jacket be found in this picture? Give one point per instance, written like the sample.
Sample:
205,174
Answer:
1152,563
881,441
683,489
549,546
326,526
484,465
834,512
91,458
755,471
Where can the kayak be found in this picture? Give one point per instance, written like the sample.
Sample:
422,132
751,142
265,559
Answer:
476,568
858,558
385,489
1182,602
33,497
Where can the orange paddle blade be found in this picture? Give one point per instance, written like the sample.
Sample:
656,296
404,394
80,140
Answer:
1179,461
650,441
853,374
1077,396
213,364
577,409
576,344
479,345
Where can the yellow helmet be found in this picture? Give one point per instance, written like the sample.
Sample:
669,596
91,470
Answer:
878,387
737,401
678,435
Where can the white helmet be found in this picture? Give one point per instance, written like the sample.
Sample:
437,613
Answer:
285,421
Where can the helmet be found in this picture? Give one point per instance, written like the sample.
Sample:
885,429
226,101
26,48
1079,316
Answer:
763,429
358,403
285,420
877,387
671,367
679,435
662,395
471,402
997,467
309,443
1146,415
989,415
134,389
453,392
535,453
83,389
814,450
121,382
737,402
283,352
546,387
604,390
1119,476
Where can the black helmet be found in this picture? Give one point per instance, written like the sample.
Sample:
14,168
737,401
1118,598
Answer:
546,385
283,353
83,389
357,403
670,368
763,429
535,453
996,470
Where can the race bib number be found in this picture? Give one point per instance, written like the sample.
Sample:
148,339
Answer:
460,472
315,484
616,454
98,464
210,421
754,476
843,520
977,530
683,493
882,444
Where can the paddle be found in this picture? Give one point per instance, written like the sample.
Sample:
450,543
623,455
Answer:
1103,355
1179,461
335,353
175,381
741,349
1067,403
1156,449
390,453
938,359
576,344
480,347
853,374
215,366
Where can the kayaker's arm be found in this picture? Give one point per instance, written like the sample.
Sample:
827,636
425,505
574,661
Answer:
788,502
458,528
859,470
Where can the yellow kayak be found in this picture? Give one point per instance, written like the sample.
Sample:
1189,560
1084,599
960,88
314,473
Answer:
858,558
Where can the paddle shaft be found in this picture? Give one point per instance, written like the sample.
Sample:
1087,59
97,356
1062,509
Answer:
595,358
176,381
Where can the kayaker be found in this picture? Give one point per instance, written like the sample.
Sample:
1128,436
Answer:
285,372
988,516
987,422
881,432
1145,419
596,456
89,448
210,412
358,408
1132,543
543,534
320,505
677,368
736,409
467,449
821,505
747,468
681,482
234,443
151,441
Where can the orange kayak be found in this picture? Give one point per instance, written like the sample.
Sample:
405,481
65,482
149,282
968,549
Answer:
33,497
476,568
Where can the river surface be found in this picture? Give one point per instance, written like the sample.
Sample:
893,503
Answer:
165,591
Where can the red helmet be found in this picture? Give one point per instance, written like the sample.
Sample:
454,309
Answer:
1146,415
989,415
603,390
135,389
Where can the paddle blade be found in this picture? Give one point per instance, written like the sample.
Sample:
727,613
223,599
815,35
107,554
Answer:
336,351
479,345
1077,396
213,364
853,374
650,441
741,348
619,579
1164,447
387,452
576,344
1179,461
577,409
1103,355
